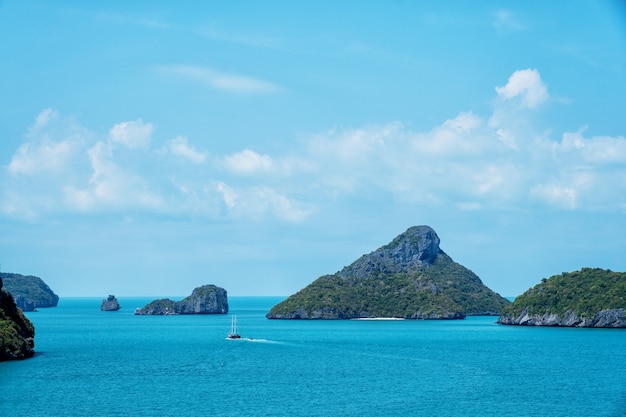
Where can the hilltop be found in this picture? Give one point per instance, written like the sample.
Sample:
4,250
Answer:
591,297
411,277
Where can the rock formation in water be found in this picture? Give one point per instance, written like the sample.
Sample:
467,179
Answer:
17,333
208,299
110,304
411,278
29,292
591,297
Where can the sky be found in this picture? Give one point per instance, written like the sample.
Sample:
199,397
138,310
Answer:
150,147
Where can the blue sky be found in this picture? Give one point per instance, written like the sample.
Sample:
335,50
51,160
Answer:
152,147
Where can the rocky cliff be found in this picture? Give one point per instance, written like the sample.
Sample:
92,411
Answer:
591,297
411,277
29,292
17,334
208,299
110,304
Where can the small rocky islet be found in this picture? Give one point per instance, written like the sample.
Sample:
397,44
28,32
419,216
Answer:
110,304
207,299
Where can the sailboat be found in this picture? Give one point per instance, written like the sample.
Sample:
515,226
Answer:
233,329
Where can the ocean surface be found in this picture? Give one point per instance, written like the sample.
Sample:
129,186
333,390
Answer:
93,363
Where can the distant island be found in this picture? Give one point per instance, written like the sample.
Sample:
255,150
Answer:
29,292
410,278
110,304
17,333
208,299
591,297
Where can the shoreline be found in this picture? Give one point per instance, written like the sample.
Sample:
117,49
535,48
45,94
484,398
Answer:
379,318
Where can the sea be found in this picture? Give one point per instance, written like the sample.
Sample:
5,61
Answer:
93,363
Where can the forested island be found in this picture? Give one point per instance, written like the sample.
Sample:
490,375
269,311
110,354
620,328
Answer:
410,278
28,291
591,297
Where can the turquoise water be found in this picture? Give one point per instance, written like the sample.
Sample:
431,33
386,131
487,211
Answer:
91,363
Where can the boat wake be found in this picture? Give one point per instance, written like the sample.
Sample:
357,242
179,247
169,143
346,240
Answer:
253,340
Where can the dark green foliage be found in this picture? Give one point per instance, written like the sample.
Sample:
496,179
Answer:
585,292
443,289
203,291
16,331
465,287
397,295
29,292
163,306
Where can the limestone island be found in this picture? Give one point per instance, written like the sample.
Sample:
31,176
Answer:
591,297
17,333
208,299
409,278
110,304
29,292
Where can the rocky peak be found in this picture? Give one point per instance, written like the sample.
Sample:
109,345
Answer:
415,249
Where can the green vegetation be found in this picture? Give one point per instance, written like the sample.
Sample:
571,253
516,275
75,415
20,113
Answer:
444,289
397,295
16,331
29,292
584,292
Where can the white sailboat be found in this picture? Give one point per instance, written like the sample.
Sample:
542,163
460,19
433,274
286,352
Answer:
233,329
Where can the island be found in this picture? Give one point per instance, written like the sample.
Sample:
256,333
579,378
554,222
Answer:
110,304
29,292
17,333
591,297
207,299
409,278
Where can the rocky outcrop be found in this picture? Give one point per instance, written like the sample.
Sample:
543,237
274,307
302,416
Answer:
110,304
605,318
591,297
411,277
17,333
208,299
29,292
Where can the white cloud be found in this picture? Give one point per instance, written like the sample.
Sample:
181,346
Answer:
596,149
248,162
44,118
527,85
233,83
110,186
257,202
134,134
32,159
463,162
179,146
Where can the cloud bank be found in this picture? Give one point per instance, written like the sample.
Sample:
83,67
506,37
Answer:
469,162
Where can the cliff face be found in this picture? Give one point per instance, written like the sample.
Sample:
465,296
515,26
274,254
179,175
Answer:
411,277
17,334
605,318
29,292
591,297
208,299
